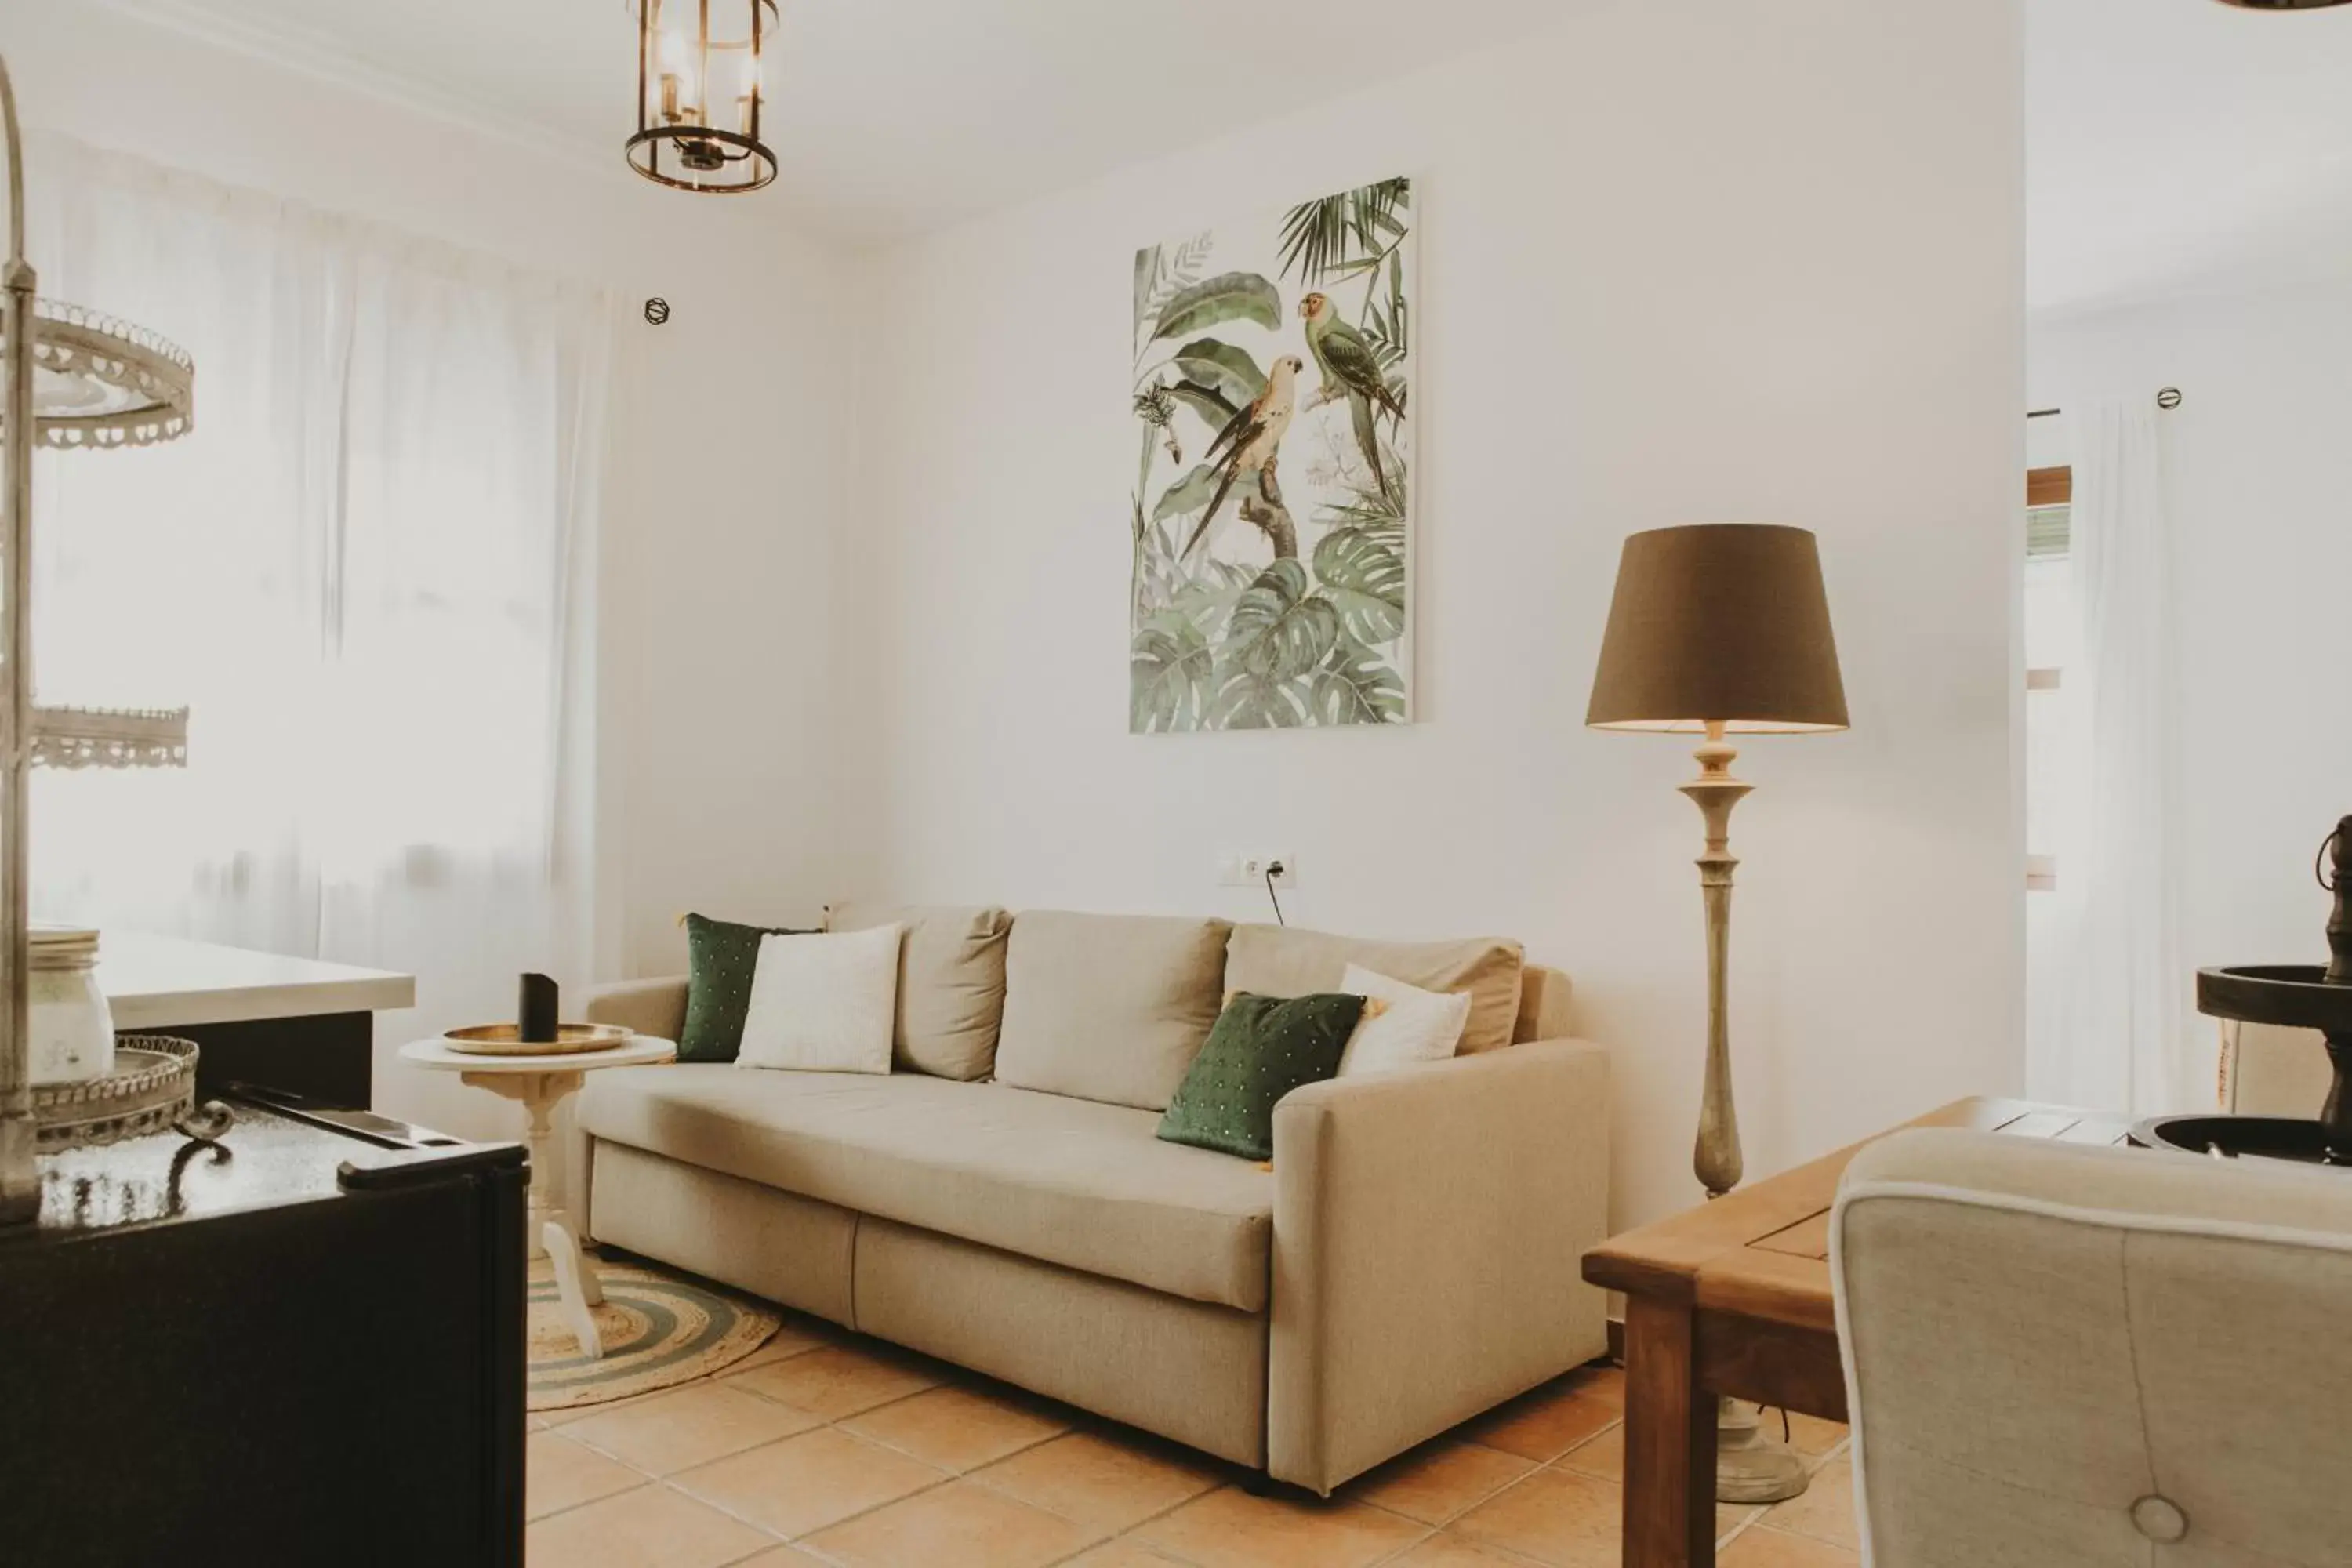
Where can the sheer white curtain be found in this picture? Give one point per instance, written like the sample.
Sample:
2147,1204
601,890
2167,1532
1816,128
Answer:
2109,995
368,571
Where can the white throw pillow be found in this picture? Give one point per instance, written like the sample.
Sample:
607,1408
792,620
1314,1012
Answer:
1415,1026
823,1001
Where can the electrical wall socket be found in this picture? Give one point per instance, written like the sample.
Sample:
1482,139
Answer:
1240,870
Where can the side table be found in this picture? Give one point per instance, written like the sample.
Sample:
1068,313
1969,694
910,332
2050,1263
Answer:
541,1084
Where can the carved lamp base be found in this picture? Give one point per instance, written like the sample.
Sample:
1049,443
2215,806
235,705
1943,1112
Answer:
1750,1467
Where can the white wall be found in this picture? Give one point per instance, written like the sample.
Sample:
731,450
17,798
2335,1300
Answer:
2259,466
727,759
1702,262
1711,261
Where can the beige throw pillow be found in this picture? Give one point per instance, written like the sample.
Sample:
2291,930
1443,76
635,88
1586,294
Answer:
950,985
1403,1025
1108,1007
1278,960
822,1003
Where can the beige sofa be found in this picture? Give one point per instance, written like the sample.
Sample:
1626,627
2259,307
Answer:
1408,1260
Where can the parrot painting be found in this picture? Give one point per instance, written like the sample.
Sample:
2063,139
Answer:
1252,439
1350,369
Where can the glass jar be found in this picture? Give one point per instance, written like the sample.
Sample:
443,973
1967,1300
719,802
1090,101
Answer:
70,1029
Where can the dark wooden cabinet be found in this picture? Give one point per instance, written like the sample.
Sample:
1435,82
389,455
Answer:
304,1345
328,1057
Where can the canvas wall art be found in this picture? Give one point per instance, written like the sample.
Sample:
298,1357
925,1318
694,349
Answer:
1272,515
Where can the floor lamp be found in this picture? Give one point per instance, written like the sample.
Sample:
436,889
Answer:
1722,629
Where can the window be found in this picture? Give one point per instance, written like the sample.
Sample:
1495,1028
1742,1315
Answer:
369,575
2049,647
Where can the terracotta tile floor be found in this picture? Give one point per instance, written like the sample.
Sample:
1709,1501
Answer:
828,1448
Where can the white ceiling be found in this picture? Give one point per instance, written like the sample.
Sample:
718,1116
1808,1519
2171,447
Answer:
2172,145
887,116
2182,145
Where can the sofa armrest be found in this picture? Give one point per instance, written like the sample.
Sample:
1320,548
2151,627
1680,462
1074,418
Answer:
1428,1228
656,1007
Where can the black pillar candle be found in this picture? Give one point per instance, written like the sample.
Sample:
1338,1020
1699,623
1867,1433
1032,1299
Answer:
535,1013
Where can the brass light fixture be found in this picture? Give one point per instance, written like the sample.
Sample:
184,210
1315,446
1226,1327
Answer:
701,94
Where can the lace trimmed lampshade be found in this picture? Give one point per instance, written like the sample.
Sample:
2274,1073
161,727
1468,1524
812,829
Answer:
98,382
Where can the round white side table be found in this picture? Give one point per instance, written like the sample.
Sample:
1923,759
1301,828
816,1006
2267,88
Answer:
540,1083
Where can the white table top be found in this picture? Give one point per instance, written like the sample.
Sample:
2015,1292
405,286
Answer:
637,1052
155,981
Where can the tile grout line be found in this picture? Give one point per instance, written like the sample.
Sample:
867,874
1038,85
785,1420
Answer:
1423,1531
946,1477
795,1541
670,1482
979,1479
1133,1531
1428,1533
1559,1461
723,1379
1760,1518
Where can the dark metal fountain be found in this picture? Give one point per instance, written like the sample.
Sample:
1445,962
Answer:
2296,997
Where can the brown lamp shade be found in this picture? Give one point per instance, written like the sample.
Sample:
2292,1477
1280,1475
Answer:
1719,623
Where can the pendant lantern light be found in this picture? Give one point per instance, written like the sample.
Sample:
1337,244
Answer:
701,94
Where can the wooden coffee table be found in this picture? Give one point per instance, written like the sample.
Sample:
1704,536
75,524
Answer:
1734,1298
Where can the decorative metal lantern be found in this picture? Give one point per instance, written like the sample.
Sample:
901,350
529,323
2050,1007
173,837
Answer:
72,379
699,94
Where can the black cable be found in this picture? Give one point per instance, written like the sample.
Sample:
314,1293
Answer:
1271,872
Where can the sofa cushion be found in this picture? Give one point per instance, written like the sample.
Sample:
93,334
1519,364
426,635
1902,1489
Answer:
1403,1025
950,985
722,956
823,1002
1277,961
1261,1048
1065,1181
1109,1007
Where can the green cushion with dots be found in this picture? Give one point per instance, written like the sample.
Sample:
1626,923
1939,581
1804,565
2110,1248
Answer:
1261,1048
719,958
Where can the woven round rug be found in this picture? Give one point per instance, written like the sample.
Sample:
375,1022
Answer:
658,1330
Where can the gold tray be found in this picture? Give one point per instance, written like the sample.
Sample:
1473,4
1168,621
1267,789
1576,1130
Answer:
500,1040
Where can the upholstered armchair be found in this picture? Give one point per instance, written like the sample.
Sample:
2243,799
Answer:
2061,1355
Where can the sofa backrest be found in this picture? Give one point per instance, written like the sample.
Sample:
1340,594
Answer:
1109,1007
1283,960
951,984
1543,1005
1113,1008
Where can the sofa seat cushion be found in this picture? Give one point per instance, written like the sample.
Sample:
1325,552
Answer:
1072,1181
